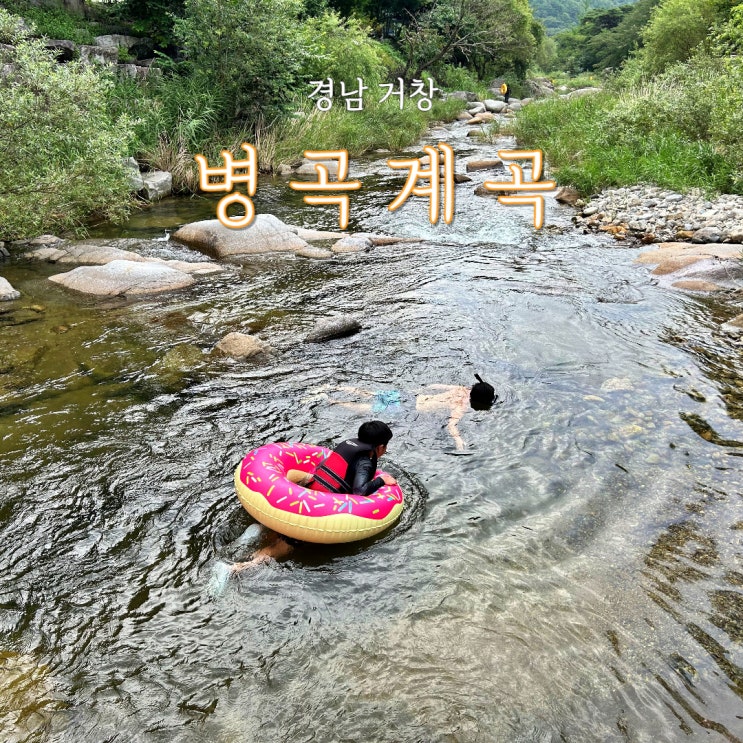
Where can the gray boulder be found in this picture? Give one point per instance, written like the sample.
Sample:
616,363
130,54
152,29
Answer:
736,234
105,55
265,234
496,107
7,292
136,183
476,108
83,253
123,278
334,327
157,185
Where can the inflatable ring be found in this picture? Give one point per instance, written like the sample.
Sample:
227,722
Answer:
270,497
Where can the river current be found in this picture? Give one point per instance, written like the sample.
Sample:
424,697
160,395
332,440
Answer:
575,577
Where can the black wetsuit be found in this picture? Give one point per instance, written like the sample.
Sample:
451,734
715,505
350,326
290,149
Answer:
350,469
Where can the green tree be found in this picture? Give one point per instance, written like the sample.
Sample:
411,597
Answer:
249,50
675,29
61,150
486,35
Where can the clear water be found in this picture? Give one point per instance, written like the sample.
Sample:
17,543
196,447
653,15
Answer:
577,577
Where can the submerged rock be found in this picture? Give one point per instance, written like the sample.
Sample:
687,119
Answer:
265,234
123,278
334,327
241,346
351,245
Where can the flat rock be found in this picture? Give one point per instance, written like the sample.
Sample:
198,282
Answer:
473,165
265,234
123,278
313,252
696,285
464,116
241,346
482,118
676,263
312,235
462,178
351,244
334,327
84,253
7,292
195,268
663,252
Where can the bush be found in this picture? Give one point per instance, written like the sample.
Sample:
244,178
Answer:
61,149
248,50
54,23
340,50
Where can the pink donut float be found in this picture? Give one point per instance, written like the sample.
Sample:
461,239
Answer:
270,497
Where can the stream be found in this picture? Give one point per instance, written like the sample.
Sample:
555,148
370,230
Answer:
575,577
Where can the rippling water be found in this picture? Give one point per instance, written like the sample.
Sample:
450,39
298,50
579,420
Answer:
577,577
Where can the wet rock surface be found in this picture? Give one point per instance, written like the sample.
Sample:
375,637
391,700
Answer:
123,278
331,328
265,234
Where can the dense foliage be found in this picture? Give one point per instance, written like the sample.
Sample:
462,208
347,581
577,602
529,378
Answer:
558,15
673,116
61,149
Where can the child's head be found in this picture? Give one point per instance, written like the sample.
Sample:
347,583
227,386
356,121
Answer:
482,395
375,433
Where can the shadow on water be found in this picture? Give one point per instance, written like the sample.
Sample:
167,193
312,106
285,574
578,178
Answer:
575,577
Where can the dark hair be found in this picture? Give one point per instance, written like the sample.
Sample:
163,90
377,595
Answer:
482,395
375,433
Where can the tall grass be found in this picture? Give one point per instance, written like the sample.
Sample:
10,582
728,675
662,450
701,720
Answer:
679,131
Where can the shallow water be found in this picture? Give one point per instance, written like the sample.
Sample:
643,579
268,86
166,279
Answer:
577,577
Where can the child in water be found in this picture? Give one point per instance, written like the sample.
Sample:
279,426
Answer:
350,468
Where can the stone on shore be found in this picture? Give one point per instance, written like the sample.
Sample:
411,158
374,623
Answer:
334,327
567,195
123,278
7,292
241,346
157,185
265,234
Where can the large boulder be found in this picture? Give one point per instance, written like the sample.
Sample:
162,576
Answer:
496,107
83,253
7,292
265,234
123,278
334,327
157,185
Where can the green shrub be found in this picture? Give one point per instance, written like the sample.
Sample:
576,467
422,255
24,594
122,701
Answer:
61,148
341,50
54,23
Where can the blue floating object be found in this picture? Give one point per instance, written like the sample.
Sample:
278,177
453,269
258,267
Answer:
385,399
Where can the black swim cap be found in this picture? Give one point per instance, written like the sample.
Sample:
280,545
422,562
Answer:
482,395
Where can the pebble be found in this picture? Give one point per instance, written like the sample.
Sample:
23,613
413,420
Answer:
659,215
